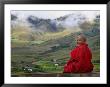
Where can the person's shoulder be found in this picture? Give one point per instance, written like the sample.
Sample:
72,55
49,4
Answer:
83,46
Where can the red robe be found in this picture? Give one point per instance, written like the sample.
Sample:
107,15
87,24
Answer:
80,61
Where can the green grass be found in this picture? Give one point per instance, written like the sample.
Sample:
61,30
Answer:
96,67
45,61
25,52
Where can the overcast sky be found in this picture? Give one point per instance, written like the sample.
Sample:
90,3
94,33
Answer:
53,14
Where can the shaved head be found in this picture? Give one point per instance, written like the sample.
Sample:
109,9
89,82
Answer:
82,37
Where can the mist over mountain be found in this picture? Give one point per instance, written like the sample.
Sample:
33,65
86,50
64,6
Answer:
50,25
42,29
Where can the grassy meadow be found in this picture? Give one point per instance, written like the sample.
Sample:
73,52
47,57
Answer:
41,56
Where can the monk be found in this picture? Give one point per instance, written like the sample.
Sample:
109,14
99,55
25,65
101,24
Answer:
80,61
